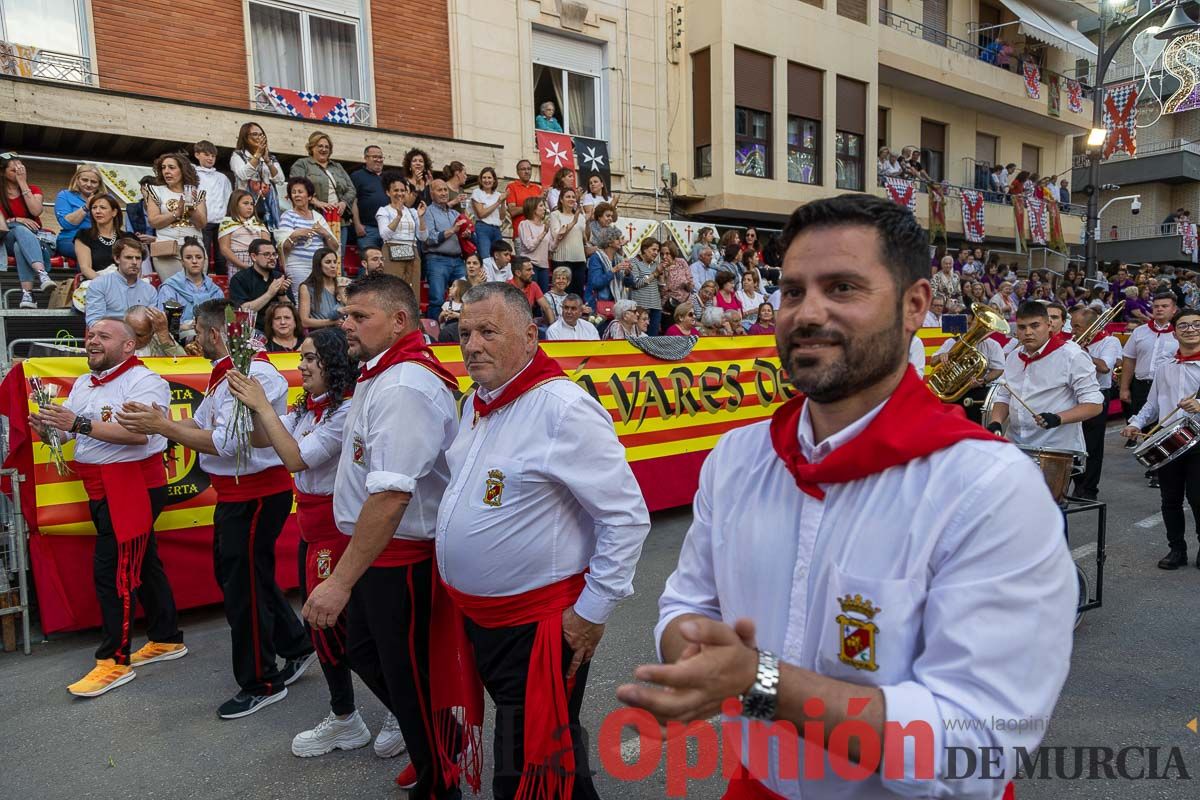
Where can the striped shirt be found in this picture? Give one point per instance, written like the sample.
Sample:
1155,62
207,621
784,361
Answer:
643,289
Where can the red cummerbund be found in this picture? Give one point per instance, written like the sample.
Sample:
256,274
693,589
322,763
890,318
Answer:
314,512
238,489
519,609
154,474
404,552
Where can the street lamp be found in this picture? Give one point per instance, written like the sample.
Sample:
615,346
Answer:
1177,24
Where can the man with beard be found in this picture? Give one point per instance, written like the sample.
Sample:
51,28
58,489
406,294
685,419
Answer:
853,596
254,499
126,485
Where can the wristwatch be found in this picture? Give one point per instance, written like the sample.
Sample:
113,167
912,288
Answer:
82,426
762,698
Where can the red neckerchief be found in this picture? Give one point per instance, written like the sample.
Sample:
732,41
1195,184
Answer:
1179,359
1056,341
541,369
317,407
912,424
999,338
1169,329
126,365
223,366
1099,336
410,347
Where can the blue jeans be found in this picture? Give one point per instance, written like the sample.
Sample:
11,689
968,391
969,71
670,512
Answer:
24,245
486,235
369,239
655,328
440,272
65,245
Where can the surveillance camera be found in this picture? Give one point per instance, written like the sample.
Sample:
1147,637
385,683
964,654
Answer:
1135,207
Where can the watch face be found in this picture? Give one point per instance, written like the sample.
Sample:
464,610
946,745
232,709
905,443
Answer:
758,706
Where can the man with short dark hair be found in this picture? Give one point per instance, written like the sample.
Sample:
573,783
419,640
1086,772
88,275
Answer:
370,259
569,326
519,191
496,267
522,278
369,197
797,620
255,288
215,187
1147,348
1056,313
254,499
111,294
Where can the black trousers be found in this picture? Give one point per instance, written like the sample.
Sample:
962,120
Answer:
502,658
338,677
262,623
975,410
387,625
116,619
1177,481
1088,484
1139,391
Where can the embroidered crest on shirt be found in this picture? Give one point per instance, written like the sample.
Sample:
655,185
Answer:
493,491
324,564
857,640
106,413
360,451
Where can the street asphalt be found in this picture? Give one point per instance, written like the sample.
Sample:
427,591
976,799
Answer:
1131,685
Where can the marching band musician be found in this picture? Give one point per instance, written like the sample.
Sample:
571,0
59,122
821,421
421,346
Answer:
979,387
126,485
254,500
1049,375
1060,324
1176,385
1147,348
1105,352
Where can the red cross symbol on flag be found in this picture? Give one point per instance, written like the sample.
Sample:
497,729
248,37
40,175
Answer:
555,151
1120,119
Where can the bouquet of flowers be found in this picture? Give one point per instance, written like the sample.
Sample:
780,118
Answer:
244,343
43,394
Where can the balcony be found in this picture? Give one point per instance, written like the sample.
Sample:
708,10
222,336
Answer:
1169,161
360,113
928,61
1154,242
51,66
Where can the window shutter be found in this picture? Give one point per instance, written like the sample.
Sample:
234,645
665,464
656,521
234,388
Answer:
565,52
933,136
853,9
702,98
851,106
805,91
752,80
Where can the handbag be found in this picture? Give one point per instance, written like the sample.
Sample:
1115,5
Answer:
164,248
402,251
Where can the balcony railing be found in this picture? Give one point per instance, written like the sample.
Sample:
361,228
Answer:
995,198
1080,160
361,113
1156,230
967,48
52,66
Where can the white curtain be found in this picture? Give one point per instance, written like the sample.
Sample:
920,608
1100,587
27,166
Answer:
275,34
581,93
45,24
335,58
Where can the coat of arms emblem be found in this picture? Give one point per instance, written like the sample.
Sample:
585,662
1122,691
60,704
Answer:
106,413
360,451
324,564
493,491
857,632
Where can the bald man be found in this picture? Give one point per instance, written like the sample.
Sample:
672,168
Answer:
151,335
126,485
443,252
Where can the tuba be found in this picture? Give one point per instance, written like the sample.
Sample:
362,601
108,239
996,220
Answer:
964,364
1084,337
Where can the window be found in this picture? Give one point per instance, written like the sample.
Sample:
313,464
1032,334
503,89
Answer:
55,25
933,21
1031,158
566,72
853,9
850,133
881,129
702,112
806,94
985,159
933,148
301,50
753,86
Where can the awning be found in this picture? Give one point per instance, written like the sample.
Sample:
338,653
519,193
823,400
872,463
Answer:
1037,22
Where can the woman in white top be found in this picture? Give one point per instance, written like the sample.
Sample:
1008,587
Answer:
750,296
567,226
563,179
533,237
596,193
400,225
175,208
240,227
257,170
1005,301
303,230
489,207
560,279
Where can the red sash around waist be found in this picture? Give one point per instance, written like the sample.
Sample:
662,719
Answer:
239,488
314,512
743,787
124,484
549,768
404,552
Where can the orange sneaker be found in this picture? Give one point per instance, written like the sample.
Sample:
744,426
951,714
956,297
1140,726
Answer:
107,674
157,651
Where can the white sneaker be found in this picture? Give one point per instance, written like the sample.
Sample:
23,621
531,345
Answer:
46,281
332,734
27,300
389,743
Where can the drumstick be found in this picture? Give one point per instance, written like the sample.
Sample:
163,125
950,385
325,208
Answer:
1017,397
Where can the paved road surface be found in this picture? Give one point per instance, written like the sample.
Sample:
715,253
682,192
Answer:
1132,683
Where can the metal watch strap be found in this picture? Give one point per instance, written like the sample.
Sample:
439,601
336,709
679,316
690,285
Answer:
761,700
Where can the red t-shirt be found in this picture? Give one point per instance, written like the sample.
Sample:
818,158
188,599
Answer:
533,293
17,208
516,195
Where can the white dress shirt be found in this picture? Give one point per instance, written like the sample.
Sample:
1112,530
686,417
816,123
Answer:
916,355
976,590
932,320
320,446
215,413
583,331
567,501
395,439
1052,384
1107,350
1150,350
1173,381
494,272
140,385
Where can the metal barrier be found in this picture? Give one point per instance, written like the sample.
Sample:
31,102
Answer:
14,565
40,313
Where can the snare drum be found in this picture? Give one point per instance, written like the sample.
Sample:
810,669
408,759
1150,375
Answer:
1168,444
1057,467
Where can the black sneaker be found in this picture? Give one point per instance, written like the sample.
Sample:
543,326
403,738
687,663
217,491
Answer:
1173,560
243,704
293,668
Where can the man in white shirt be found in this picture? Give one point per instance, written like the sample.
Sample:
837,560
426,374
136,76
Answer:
390,479
1147,348
216,189
933,317
978,392
1173,396
126,485
1060,323
570,326
916,355
1054,378
1105,352
537,545
254,499
818,612
497,267
702,268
